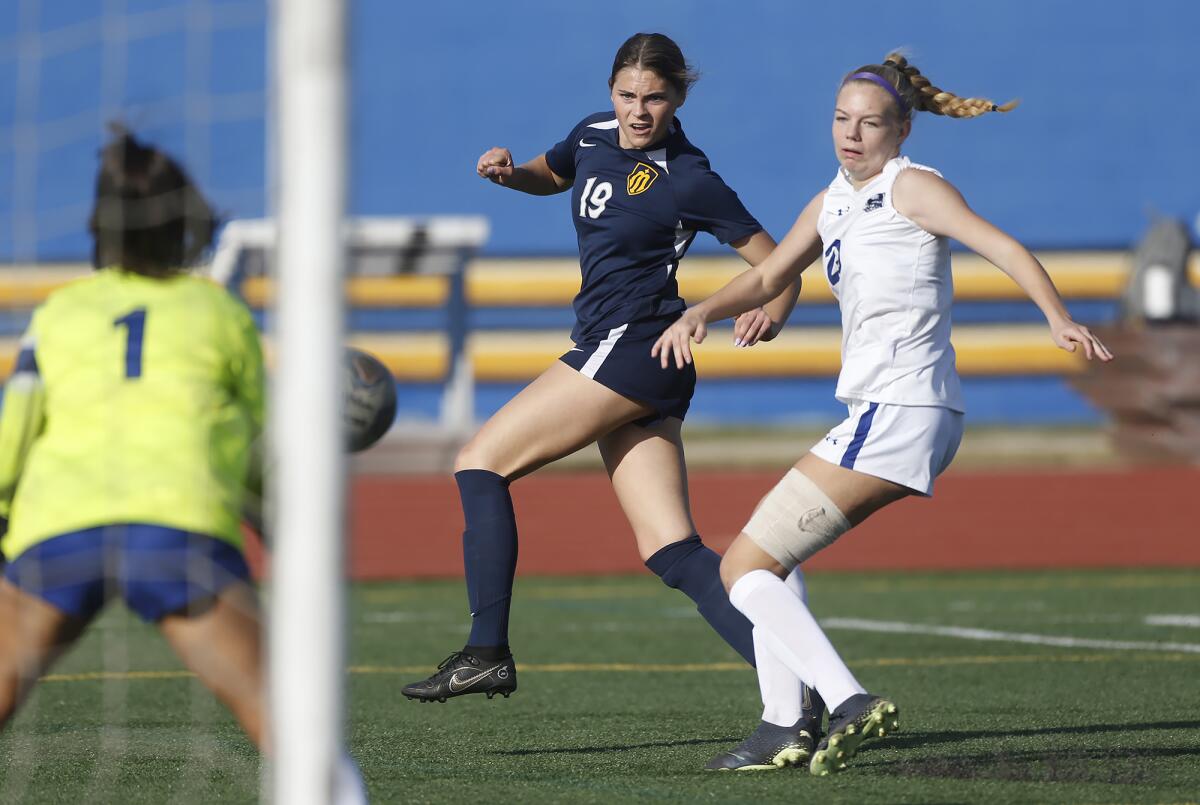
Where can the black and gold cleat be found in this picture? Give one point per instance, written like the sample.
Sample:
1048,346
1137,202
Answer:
462,673
859,718
768,747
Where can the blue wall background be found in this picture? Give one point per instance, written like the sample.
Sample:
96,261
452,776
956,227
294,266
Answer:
1106,134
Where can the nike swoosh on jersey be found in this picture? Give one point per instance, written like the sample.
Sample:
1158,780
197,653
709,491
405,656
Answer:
586,144
457,684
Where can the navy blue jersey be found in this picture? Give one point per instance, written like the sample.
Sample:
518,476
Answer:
636,212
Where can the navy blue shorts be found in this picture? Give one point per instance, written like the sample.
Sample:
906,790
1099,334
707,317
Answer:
625,366
156,570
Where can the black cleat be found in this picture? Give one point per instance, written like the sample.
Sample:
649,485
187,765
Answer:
768,747
462,673
860,717
812,713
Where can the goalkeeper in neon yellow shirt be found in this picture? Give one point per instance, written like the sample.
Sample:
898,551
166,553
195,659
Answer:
125,445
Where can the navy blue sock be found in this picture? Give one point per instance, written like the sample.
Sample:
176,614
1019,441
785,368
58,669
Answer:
689,565
489,555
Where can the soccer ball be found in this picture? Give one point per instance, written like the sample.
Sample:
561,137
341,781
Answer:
370,404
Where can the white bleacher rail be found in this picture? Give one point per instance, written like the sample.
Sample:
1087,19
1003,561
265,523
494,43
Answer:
459,236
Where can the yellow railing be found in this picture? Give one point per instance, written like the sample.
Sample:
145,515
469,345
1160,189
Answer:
550,282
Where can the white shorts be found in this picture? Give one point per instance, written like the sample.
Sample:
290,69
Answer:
908,445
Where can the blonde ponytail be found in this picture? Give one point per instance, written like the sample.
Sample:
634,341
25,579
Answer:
920,95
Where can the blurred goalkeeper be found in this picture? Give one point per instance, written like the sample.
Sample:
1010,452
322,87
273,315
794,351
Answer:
125,445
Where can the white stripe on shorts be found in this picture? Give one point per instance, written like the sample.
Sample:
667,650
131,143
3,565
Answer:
597,360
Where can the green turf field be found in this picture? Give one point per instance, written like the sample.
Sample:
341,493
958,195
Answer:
624,694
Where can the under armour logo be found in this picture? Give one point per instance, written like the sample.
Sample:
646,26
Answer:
810,515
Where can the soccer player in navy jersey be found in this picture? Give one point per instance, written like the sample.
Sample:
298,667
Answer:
640,191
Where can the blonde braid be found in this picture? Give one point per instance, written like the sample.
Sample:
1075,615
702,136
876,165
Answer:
929,98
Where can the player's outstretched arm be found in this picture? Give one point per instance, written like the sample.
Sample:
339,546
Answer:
762,323
254,493
936,206
753,287
248,380
534,177
21,419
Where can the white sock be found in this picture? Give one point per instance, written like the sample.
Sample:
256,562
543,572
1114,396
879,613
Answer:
793,635
780,687
795,583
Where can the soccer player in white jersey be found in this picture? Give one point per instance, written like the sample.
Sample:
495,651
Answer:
883,228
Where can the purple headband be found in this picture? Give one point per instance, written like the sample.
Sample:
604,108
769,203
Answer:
883,82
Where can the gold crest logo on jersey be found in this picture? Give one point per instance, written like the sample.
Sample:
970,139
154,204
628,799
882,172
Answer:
640,179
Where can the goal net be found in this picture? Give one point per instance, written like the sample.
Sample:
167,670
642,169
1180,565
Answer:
251,98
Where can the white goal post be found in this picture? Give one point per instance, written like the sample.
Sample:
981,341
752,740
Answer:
307,502
306,513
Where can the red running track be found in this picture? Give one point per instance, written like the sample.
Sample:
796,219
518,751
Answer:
406,527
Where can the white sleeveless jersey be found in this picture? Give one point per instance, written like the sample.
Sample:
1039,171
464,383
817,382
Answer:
892,281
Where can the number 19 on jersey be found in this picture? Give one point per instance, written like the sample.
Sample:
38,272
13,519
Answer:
592,201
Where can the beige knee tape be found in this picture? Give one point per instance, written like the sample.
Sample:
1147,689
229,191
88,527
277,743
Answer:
795,520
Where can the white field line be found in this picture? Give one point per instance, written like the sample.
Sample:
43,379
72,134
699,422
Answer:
1173,620
862,625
